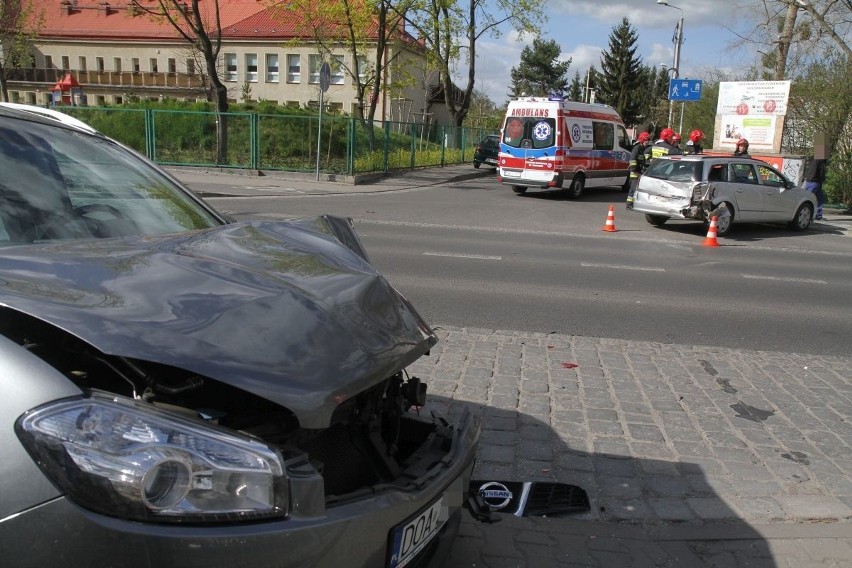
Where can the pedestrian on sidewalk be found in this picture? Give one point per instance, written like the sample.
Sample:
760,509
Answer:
814,178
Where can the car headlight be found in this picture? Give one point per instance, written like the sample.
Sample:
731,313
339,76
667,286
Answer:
130,459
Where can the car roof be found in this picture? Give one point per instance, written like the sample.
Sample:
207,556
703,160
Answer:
712,157
52,115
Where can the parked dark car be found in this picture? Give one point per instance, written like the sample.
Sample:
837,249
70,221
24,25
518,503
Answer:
177,389
486,151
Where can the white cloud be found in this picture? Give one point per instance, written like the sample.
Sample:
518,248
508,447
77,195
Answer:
582,29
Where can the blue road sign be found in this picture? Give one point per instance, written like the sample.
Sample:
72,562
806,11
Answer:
684,89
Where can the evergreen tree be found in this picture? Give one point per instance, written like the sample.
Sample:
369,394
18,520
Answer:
620,73
575,91
540,72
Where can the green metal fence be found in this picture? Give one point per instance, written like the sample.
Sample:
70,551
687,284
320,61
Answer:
282,142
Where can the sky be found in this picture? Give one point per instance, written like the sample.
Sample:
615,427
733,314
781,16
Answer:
582,29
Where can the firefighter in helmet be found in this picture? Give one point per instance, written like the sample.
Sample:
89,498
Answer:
637,164
693,145
741,150
662,147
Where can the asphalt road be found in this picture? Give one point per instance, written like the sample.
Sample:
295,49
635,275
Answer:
473,254
691,454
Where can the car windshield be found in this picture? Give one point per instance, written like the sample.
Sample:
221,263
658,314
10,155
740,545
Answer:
675,170
60,183
529,132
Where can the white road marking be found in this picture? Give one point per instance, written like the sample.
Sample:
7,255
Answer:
455,255
621,267
783,279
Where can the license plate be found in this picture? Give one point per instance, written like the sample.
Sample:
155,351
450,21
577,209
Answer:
490,161
409,539
510,173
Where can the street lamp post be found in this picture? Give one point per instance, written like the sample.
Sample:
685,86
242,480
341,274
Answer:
678,43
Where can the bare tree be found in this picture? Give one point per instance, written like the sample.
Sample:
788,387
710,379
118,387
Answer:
200,25
451,27
830,15
789,40
20,22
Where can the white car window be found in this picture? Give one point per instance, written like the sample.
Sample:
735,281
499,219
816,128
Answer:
744,173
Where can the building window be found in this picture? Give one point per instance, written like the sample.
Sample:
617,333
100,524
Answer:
190,66
364,70
116,64
31,98
153,64
314,62
100,100
172,65
118,99
230,66
337,70
48,62
294,69
99,63
16,98
135,64
82,63
251,67
66,63
271,67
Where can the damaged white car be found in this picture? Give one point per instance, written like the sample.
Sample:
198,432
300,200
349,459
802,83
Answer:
732,189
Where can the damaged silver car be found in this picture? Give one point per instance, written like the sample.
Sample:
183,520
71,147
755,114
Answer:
732,189
182,390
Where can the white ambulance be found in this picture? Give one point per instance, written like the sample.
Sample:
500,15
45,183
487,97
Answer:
550,143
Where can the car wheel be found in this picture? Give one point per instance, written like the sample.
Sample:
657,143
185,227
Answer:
656,220
803,218
476,165
724,219
575,190
519,189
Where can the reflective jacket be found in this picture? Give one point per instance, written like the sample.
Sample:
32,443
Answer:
637,160
660,148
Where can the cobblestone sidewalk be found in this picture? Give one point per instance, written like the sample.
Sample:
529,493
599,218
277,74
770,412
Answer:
691,455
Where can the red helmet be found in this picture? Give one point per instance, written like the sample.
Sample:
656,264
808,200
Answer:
644,137
742,142
696,136
675,138
667,134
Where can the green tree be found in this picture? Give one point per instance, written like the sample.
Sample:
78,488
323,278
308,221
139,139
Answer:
621,77
484,113
821,103
362,28
540,71
575,90
20,21
451,29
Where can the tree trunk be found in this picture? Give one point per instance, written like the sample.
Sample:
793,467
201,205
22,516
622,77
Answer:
784,41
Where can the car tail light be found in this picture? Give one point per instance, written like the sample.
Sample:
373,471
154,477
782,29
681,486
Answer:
130,459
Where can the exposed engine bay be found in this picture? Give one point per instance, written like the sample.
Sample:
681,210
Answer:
376,439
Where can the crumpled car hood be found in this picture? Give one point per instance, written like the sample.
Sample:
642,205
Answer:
283,310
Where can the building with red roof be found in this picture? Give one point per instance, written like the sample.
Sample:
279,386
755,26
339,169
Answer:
116,51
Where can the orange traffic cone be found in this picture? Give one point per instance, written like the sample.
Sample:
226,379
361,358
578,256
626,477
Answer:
710,240
610,221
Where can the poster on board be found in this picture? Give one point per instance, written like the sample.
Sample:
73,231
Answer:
750,98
